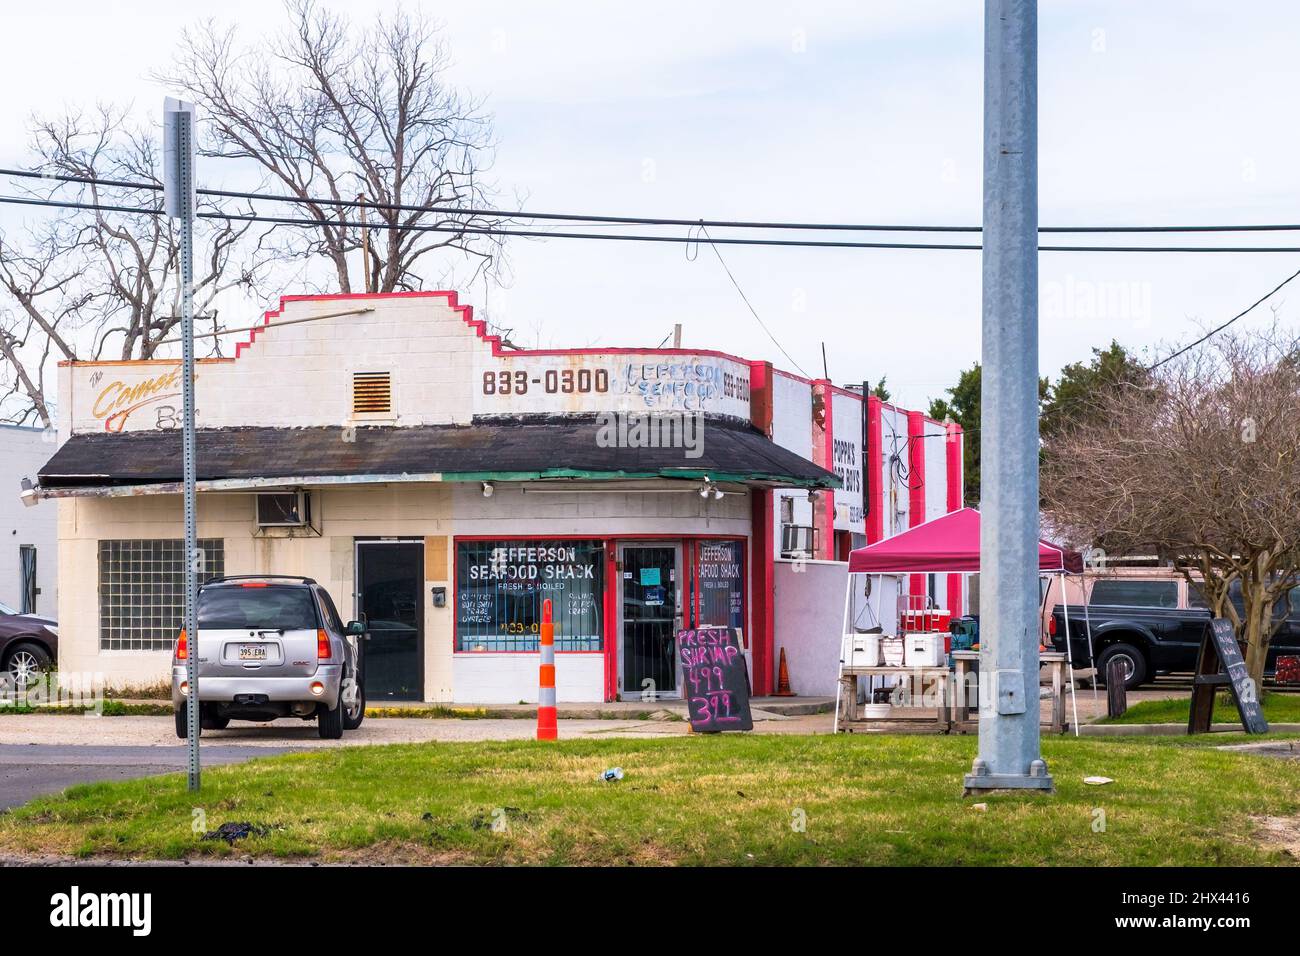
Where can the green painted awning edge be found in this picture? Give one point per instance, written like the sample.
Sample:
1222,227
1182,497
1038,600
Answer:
682,474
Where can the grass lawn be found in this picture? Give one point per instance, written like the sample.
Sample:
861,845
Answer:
1278,709
691,800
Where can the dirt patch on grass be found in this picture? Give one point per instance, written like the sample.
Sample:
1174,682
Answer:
1279,834
393,854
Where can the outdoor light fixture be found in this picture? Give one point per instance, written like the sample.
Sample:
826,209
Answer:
28,494
709,488
487,489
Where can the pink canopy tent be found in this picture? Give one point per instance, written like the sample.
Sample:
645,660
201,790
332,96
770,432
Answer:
948,544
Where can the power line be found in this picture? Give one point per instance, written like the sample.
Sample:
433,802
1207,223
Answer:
626,237
1219,328
1179,351
660,221
748,304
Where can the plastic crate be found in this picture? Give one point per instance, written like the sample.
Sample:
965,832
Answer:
1288,669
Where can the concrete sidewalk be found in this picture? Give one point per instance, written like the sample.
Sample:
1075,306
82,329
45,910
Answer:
763,707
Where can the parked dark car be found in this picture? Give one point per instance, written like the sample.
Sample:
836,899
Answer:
29,645
1153,626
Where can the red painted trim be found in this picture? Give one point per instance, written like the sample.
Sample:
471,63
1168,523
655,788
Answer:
761,396
846,392
609,601
762,580
953,461
916,486
616,537
873,460
696,551
610,627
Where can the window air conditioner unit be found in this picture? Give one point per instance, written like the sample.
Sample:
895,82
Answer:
283,509
797,541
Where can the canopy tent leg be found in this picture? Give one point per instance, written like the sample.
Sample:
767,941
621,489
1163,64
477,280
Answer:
1069,654
844,631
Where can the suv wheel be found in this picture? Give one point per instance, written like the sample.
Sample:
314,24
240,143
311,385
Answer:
182,720
354,710
1133,660
329,723
209,719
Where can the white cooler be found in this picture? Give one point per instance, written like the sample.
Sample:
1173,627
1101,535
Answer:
924,650
861,650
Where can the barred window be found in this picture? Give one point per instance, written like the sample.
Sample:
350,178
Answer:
500,586
142,590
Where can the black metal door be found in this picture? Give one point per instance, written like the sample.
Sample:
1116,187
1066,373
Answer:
390,577
649,619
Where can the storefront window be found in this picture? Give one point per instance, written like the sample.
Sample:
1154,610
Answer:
500,586
722,583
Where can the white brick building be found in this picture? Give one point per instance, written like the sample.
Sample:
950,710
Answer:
28,551
441,484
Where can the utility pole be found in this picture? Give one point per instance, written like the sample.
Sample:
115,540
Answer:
1009,753
179,202
365,243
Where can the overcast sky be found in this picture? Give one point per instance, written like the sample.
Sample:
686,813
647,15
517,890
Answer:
1165,111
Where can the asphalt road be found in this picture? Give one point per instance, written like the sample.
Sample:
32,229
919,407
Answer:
32,770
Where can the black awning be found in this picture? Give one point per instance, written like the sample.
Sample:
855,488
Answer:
496,449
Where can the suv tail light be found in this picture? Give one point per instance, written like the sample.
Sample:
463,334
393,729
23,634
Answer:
182,648
1051,625
322,646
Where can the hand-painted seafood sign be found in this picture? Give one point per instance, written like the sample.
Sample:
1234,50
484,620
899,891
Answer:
685,385
593,382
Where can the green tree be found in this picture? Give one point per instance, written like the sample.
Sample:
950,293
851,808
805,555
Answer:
1075,396
963,406
880,391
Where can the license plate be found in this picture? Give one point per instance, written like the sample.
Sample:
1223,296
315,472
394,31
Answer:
252,652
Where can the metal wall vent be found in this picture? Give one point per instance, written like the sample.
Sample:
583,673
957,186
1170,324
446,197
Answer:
372,393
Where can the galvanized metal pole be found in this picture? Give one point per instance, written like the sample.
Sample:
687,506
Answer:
180,201
1009,756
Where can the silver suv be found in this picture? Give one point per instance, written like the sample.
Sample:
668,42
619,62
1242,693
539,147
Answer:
271,646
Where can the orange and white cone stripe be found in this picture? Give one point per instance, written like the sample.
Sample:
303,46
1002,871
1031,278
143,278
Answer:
546,726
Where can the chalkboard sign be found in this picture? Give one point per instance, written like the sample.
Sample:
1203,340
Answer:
1220,664
716,680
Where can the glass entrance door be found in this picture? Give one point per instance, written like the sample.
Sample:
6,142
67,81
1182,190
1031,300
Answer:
650,597
390,582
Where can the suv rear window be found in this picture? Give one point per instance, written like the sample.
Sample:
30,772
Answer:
1135,593
268,608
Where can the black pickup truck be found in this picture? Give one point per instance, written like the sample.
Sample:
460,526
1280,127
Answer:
1153,627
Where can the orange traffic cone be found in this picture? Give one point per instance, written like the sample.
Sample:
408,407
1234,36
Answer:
783,679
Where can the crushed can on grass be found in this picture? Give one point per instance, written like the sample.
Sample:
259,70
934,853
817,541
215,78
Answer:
614,773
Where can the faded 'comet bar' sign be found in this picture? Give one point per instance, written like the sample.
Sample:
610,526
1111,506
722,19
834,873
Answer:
117,400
